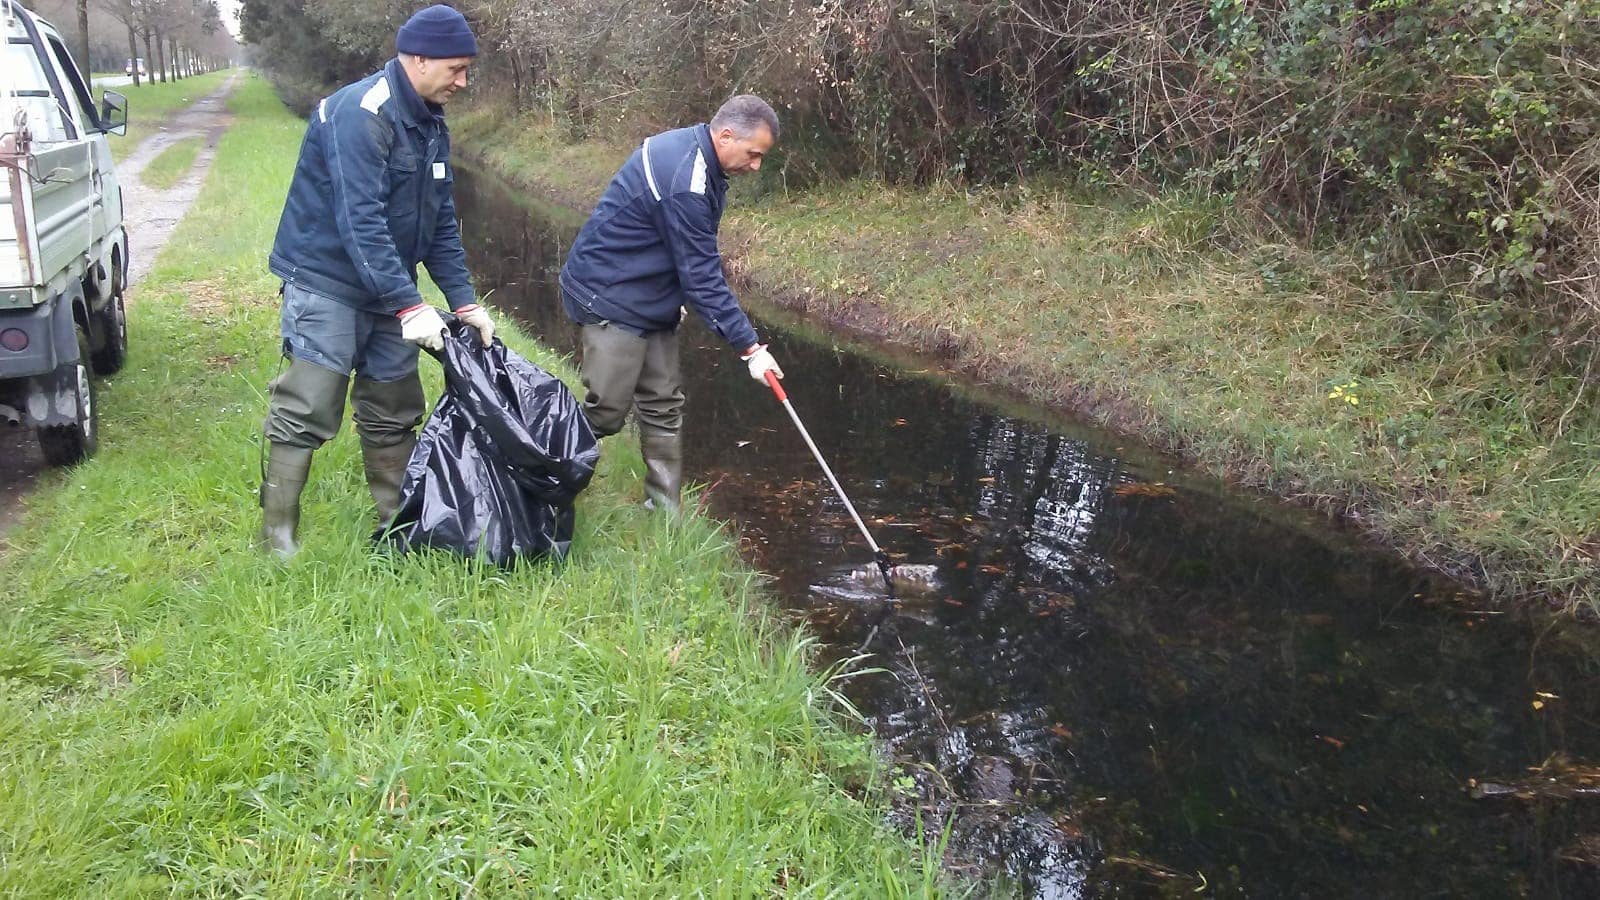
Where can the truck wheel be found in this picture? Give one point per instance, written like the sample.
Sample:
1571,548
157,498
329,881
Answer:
114,324
66,445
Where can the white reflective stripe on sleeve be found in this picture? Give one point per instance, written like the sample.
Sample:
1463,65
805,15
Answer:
650,176
376,96
322,109
697,184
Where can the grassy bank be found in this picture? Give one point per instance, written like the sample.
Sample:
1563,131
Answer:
1433,426
178,714
150,105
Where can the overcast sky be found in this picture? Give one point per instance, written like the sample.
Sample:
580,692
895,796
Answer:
230,15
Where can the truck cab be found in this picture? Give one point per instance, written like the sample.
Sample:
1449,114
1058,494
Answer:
63,247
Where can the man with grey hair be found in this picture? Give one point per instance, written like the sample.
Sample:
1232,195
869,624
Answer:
648,251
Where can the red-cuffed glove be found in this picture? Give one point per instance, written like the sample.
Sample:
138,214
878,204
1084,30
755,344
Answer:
422,325
760,363
478,318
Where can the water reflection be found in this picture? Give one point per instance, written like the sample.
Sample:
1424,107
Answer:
1129,680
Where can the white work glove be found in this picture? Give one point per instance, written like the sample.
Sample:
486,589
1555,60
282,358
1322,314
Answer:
478,317
760,363
422,325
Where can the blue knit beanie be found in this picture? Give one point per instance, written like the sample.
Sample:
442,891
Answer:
437,32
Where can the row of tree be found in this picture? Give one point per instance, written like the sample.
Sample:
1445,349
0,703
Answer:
175,38
1452,143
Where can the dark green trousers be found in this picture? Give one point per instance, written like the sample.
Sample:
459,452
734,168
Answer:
623,371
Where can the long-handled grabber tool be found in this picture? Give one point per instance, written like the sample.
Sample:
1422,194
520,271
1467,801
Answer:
877,553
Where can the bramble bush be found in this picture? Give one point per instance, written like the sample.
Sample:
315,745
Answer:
1452,142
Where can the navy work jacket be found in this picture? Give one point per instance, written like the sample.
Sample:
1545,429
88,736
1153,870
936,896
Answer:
650,246
371,199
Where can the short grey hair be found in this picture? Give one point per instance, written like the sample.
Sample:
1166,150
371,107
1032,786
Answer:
744,114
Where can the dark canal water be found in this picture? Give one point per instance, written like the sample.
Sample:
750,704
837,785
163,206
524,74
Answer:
1132,681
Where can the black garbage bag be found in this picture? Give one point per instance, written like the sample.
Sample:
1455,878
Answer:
499,464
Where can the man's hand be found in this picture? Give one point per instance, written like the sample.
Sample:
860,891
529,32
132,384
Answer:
478,317
422,325
760,363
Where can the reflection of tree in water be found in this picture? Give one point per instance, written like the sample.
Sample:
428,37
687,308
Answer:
1118,681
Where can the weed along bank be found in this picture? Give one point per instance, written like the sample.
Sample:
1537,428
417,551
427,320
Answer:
181,712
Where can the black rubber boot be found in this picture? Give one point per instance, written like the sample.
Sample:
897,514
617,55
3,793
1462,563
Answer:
663,468
386,470
287,470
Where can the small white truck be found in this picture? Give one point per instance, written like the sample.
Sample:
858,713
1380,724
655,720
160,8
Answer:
63,247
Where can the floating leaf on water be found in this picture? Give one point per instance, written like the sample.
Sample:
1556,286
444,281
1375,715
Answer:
992,569
1583,851
742,443
900,423
1061,731
1332,741
1538,704
1144,489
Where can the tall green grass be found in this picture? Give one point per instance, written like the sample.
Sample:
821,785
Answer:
180,714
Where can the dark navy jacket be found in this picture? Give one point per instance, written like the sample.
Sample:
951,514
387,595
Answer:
650,246
371,199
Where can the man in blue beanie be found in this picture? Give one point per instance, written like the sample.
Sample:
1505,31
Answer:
371,198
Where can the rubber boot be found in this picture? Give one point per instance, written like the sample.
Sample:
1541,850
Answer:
663,468
287,469
386,470
387,414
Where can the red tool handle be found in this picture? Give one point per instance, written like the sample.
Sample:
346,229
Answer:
777,387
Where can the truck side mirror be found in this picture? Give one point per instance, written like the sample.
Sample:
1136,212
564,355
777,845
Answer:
114,113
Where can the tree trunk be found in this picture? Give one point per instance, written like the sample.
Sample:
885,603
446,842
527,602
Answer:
516,80
133,54
83,42
161,57
149,58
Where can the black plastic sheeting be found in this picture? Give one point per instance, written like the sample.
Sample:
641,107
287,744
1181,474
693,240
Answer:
500,462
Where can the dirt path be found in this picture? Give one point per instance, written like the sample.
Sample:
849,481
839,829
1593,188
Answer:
150,216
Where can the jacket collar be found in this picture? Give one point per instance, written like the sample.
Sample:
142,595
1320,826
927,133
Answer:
413,109
702,133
